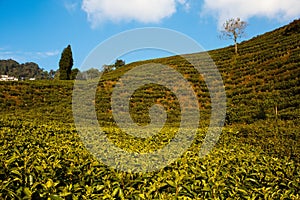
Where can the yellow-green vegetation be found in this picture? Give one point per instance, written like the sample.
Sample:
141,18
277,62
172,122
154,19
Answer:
257,156
49,161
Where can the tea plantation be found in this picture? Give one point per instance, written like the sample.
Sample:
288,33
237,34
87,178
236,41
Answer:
256,157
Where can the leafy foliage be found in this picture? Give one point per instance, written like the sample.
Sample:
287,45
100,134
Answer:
74,73
118,64
49,161
22,71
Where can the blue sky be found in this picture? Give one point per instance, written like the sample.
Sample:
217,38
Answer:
38,30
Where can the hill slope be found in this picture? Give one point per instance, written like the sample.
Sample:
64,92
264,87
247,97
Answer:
22,71
262,87
262,78
256,157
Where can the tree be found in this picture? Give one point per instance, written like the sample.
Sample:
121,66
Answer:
51,74
87,75
119,63
65,64
234,29
107,68
92,73
74,73
22,71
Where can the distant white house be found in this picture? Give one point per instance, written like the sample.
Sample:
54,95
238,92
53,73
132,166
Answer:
8,78
32,79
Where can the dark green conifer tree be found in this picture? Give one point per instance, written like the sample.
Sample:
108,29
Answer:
66,64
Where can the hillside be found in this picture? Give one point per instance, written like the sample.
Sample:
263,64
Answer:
262,87
263,78
256,157
264,75
22,71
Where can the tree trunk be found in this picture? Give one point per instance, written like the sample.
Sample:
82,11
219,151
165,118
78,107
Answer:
235,43
236,48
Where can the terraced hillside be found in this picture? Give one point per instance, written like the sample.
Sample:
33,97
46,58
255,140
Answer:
257,156
262,86
263,77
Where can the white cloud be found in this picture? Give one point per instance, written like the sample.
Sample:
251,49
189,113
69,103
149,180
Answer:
281,10
48,53
145,11
22,56
71,6
185,4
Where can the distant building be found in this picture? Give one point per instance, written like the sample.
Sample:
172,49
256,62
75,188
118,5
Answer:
32,79
8,78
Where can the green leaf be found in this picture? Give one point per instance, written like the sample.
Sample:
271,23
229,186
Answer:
27,191
242,191
115,192
49,183
142,196
171,183
16,172
206,189
100,187
121,194
55,197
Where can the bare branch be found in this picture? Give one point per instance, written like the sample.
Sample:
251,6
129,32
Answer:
234,29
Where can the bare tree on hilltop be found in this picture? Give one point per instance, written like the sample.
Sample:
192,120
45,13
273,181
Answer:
234,28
